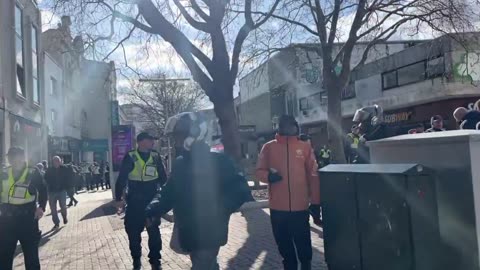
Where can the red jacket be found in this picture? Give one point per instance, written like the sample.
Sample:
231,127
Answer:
295,162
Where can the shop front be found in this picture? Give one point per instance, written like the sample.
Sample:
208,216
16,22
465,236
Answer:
400,121
94,150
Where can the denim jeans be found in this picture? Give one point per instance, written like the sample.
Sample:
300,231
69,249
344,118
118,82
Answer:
61,197
205,259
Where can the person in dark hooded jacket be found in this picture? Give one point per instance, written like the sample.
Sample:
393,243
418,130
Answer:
204,189
467,119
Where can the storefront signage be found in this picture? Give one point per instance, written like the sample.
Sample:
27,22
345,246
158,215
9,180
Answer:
95,145
247,129
398,117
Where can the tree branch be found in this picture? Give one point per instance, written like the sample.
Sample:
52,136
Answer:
194,23
199,11
180,43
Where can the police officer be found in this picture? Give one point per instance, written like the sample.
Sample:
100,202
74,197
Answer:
371,123
325,155
23,197
143,173
351,144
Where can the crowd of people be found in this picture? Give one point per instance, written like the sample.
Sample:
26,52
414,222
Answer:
203,189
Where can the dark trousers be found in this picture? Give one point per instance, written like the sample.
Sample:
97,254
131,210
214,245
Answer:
71,195
90,182
134,226
24,230
292,232
99,180
107,181
205,259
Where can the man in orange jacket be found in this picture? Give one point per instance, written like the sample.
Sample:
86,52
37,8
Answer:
288,165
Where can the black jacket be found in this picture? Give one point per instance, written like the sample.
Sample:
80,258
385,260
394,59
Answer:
204,190
136,189
59,179
472,118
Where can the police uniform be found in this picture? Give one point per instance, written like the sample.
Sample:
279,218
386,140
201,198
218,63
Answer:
325,155
353,144
143,174
19,195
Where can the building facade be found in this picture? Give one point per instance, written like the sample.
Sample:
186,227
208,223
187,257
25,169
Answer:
411,85
80,101
21,80
278,85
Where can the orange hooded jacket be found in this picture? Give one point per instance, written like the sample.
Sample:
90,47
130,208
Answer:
295,162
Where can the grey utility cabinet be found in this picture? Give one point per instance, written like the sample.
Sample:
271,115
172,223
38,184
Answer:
455,158
379,217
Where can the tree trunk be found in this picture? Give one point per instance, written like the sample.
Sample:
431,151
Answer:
334,124
225,111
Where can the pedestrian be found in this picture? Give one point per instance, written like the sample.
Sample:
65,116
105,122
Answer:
204,190
97,176
325,156
352,142
58,182
90,177
288,166
107,176
372,126
23,197
143,172
419,128
45,165
437,124
72,185
41,169
467,119
476,106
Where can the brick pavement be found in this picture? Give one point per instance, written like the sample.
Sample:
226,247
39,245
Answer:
94,238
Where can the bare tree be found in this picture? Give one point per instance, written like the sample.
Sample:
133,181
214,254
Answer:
158,101
205,35
339,25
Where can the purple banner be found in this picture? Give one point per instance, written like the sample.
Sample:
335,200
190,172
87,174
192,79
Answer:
122,143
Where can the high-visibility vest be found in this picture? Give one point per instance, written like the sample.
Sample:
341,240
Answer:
16,192
355,141
143,171
325,153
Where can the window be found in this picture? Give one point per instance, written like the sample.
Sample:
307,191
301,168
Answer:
53,86
435,67
35,71
349,92
313,101
19,56
53,116
303,104
323,98
412,73
389,79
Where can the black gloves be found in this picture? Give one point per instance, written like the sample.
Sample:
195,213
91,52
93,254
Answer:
274,176
314,210
152,209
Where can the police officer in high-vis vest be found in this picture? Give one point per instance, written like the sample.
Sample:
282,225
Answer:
143,174
23,197
325,155
351,144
